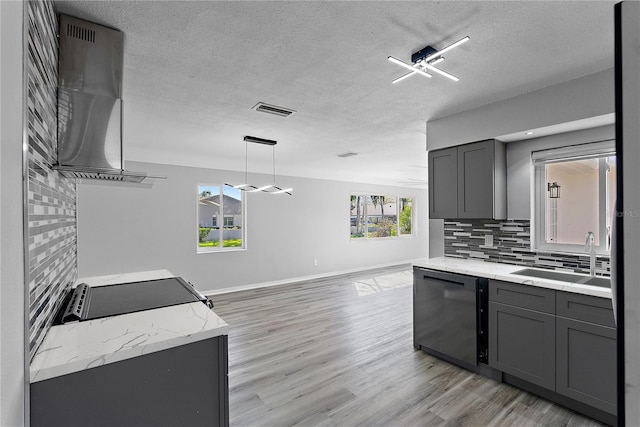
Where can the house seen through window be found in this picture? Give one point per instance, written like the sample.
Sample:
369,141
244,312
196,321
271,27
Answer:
380,216
575,194
220,204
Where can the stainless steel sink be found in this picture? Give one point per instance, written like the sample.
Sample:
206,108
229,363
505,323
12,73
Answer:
565,277
598,281
550,274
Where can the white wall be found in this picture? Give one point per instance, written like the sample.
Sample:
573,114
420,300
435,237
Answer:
520,169
12,284
630,88
578,99
124,229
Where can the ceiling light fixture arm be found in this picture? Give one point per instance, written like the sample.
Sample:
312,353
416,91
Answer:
425,59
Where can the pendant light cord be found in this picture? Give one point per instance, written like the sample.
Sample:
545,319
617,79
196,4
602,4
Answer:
246,162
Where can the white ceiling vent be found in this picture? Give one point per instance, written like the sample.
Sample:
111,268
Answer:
272,109
347,154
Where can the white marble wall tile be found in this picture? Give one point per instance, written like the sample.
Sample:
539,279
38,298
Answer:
112,279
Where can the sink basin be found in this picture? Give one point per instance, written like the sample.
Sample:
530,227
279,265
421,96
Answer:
605,282
550,275
565,277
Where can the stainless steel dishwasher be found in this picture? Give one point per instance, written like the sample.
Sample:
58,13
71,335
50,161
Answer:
450,316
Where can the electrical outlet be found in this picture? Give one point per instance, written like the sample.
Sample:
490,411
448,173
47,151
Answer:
488,239
315,261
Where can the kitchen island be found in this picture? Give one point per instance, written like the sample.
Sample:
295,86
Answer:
152,367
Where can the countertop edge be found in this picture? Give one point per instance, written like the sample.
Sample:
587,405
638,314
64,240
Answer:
504,272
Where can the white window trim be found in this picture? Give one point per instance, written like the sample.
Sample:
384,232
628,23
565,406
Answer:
398,235
213,249
573,152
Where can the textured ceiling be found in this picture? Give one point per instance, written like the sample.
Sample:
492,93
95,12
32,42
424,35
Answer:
193,70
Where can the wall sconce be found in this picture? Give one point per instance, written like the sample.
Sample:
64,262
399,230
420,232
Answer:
554,190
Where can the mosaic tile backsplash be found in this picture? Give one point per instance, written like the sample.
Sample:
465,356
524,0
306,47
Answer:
511,245
51,198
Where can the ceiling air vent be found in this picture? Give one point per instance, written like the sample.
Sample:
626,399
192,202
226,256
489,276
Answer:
80,33
272,109
347,154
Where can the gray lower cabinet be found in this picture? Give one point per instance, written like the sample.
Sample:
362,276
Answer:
522,343
586,351
522,332
560,341
180,386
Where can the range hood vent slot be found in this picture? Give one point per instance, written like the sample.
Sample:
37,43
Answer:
80,33
347,154
106,174
272,109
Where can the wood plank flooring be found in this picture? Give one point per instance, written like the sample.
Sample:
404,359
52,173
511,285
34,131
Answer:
339,352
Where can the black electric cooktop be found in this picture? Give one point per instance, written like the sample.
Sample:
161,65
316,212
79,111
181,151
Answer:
87,303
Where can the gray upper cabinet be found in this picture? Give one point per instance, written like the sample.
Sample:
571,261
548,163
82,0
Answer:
468,181
443,183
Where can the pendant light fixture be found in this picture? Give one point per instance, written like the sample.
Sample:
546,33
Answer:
272,188
424,61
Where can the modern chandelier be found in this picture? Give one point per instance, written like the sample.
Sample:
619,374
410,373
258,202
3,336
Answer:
272,188
424,61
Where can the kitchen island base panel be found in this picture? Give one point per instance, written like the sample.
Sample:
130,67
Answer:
480,368
582,408
185,385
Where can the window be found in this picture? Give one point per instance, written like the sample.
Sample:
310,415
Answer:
380,216
220,204
575,190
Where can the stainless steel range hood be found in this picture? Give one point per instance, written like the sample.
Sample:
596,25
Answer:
90,102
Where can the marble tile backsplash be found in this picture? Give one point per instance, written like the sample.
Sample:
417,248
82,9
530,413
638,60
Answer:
51,198
511,245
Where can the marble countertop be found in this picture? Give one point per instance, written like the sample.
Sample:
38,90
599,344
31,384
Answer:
492,270
77,346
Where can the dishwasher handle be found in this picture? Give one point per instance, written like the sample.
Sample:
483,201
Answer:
452,278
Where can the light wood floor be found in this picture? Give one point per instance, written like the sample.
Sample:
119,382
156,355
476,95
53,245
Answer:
339,352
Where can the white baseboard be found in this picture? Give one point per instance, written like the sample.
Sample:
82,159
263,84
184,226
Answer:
304,278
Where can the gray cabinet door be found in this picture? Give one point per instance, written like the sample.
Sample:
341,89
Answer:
586,308
475,180
523,296
522,343
443,183
586,363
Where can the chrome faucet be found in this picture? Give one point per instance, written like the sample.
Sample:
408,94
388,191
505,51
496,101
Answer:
590,247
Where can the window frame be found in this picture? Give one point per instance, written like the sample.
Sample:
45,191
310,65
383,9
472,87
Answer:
221,227
397,214
540,159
